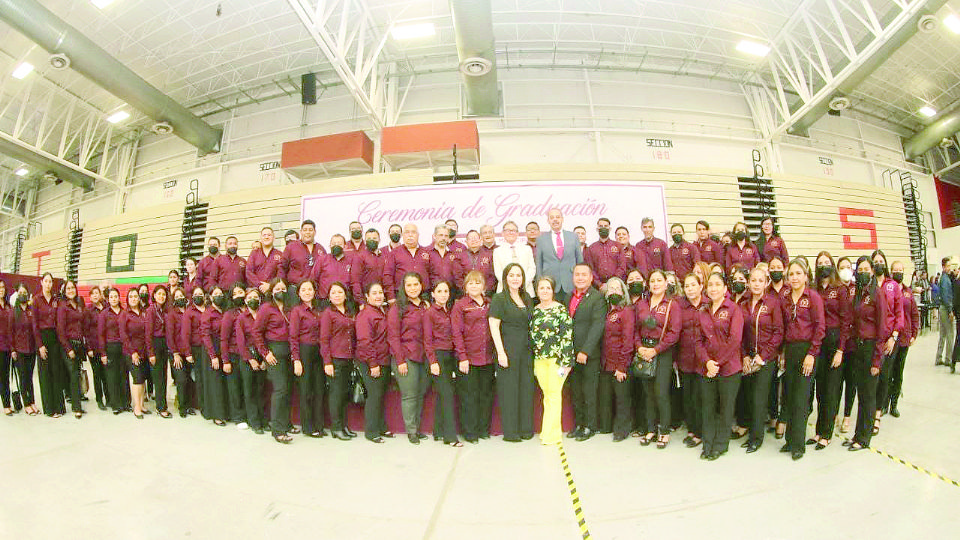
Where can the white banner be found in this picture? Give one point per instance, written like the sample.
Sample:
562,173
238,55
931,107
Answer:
494,203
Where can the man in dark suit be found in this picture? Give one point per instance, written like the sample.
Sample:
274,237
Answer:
589,311
556,253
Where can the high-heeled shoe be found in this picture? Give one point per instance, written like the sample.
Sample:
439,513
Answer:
413,438
283,438
340,435
349,432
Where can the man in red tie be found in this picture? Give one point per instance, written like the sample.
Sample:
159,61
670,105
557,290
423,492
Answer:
556,253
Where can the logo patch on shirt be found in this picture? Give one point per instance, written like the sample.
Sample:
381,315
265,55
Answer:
832,295
614,317
723,314
685,251
747,251
763,309
804,303
424,256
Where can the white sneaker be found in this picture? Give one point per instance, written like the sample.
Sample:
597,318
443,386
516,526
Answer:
243,425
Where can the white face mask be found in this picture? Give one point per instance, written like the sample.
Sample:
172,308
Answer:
846,275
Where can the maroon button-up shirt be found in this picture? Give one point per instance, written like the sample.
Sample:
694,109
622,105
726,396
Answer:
405,333
210,325
774,247
337,334
721,333
481,261
190,330
207,271
607,260
471,331
296,264
244,328
710,251
805,320
893,294
21,330
372,345
108,328
618,339
262,268
329,270
747,256
173,321
231,270
304,329
367,269
444,267
190,283
398,262
838,311
870,321
683,258
133,333
911,318
44,316
686,360
271,325
437,331
6,328
69,324
228,334
656,253
671,333
763,332
91,321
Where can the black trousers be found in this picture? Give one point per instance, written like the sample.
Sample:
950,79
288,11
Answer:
337,393
866,391
719,396
234,386
158,372
584,381
849,379
100,387
515,388
657,394
53,374
445,410
374,424
184,383
214,385
829,383
640,405
25,363
116,375
796,394
5,378
896,374
71,367
478,405
198,372
311,385
252,385
774,400
279,376
756,391
883,383
611,390
692,408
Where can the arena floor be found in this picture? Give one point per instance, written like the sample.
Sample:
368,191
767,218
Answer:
106,477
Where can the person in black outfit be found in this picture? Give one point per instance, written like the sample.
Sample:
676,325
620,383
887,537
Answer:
589,312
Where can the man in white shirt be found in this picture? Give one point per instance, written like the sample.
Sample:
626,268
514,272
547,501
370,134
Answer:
512,250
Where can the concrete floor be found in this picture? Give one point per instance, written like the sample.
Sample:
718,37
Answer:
127,479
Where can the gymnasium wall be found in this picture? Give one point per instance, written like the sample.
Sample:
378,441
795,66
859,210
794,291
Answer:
145,243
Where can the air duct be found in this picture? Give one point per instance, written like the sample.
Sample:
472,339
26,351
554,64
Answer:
56,36
41,161
932,135
473,24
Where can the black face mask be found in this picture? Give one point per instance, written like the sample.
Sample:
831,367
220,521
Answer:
144,298
635,288
615,299
604,232
739,235
863,278
356,234
879,268
776,276
677,238
213,250
180,302
671,289
715,238
279,296
22,299
395,238
372,245
238,301
897,276
650,322
823,271
253,303
220,301
231,251
198,300
336,251
738,287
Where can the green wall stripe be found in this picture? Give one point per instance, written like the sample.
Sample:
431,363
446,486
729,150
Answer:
138,280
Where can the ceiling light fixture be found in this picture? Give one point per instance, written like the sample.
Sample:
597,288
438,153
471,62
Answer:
927,111
952,22
752,47
101,3
118,117
411,31
21,172
23,70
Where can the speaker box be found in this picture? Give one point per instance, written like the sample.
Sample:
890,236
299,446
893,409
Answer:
308,89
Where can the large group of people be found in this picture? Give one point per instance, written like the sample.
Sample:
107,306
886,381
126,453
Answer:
724,335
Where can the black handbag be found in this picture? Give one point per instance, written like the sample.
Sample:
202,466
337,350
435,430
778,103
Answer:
644,369
358,392
17,396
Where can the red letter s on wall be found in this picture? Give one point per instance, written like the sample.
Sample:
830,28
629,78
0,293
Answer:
846,224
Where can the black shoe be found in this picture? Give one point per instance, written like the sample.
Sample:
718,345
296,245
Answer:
101,406
138,416
753,447
192,412
694,442
512,439
183,415
704,455
527,436
605,431
84,398
713,456
586,434
421,436
797,455
471,440
893,410
848,442
953,367
811,442
620,437
577,431
313,434
387,435
745,444
412,438
786,449
377,440
258,431
687,439
294,430
340,435
117,411
483,436
349,432
436,437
